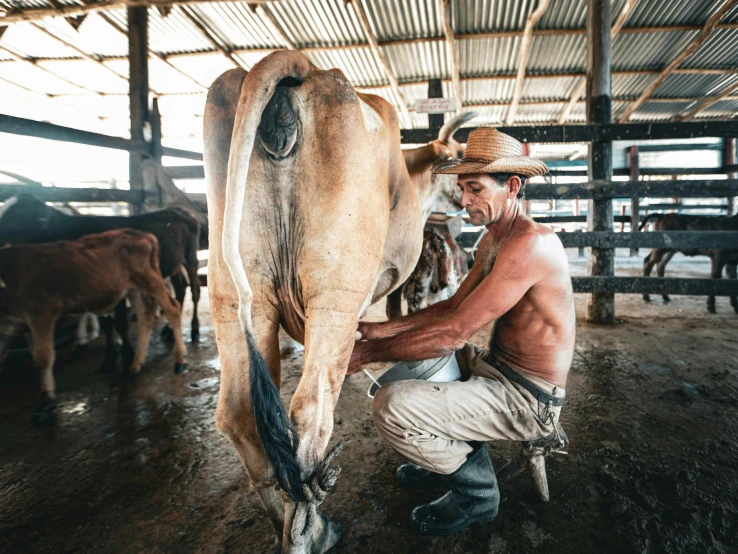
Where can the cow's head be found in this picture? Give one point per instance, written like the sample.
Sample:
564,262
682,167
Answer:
22,218
445,147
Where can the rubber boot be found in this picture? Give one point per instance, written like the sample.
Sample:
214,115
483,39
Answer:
473,498
412,476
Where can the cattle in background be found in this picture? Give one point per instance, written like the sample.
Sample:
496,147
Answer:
439,271
25,219
91,274
719,257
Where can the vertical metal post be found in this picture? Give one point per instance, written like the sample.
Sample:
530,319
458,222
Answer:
729,158
138,59
634,175
156,148
435,90
600,306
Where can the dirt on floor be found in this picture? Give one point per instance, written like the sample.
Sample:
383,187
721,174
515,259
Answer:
652,415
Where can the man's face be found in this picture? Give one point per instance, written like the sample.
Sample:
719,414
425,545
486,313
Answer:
484,199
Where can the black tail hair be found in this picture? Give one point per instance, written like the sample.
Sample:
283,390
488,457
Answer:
278,437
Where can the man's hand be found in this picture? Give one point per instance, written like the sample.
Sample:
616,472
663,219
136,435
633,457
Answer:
359,356
370,331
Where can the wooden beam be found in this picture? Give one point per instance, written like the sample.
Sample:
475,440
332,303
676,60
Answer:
525,45
138,56
634,174
435,90
105,17
706,102
582,87
655,285
706,31
185,171
698,188
364,21
184,154
26,88
64,194
658,239
208,36
453,53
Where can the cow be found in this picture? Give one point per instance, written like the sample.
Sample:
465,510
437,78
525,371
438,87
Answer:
719,257
439,271
313,217
435,192
92,274
27,220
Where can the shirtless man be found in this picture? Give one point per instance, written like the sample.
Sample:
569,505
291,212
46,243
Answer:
513,391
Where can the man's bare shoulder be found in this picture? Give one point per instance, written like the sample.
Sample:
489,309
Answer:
533,241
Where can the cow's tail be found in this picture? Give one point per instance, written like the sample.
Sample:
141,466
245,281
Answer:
276,433
646,219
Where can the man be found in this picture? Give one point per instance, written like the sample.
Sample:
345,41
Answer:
515,390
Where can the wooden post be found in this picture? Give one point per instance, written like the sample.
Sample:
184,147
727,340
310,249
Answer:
729,158
435,90
156,148
138,59
634,174
600,306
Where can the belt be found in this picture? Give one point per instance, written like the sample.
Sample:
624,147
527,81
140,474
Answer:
512,375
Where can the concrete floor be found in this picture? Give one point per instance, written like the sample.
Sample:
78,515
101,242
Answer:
137,467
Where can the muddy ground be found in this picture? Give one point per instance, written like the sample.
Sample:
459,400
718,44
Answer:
137,467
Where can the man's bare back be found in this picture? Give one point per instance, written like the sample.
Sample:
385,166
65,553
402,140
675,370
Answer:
537,334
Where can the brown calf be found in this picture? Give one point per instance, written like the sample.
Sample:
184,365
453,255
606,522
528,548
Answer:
91,274
720,257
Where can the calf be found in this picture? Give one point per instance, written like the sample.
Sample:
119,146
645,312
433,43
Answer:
720,257
24,219
439,271
92,274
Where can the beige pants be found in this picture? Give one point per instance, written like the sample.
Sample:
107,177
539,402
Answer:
430,424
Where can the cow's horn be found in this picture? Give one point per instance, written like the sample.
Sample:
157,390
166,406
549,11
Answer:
448,130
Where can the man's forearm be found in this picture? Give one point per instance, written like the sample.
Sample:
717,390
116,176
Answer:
413,321
419,343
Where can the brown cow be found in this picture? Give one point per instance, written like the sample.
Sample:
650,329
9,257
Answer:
720,257
91,274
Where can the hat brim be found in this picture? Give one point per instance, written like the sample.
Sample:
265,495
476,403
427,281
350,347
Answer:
519,165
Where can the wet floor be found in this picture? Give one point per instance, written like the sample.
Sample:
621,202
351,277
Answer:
136,467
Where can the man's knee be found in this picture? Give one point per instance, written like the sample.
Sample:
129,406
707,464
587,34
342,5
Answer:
388,405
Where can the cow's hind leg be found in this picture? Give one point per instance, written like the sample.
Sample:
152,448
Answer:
179,286
41,327
661,269
651,259
716,273
111,350
730,269
145,309
191,265
121,322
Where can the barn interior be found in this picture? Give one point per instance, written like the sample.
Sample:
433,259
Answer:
102,112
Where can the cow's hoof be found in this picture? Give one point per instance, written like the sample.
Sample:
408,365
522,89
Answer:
167,335
711,309
666,298
130,375
646,297
44,414
180,367
195,335
326,534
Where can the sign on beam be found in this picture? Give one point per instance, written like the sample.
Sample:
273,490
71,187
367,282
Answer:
435,105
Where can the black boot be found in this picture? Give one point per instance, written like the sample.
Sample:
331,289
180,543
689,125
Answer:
473,498
412,476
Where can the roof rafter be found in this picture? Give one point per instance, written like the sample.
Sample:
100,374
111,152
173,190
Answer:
707,30
525,45
453,53
364,21
582,87
707,102
208,35
158,56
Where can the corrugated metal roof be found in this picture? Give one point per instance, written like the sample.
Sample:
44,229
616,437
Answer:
649,50
546,54
237,25
658,111
488,56
175,33
358,64
403,19
677,86
550,89
477,16
720,50
488,90
318,22
674,12
418,60
630,86
724,108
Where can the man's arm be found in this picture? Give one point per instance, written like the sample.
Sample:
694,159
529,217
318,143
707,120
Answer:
371,331
516,270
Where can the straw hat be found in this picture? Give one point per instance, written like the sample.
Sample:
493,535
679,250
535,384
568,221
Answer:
490,151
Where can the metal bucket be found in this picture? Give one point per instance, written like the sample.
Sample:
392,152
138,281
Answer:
438,370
